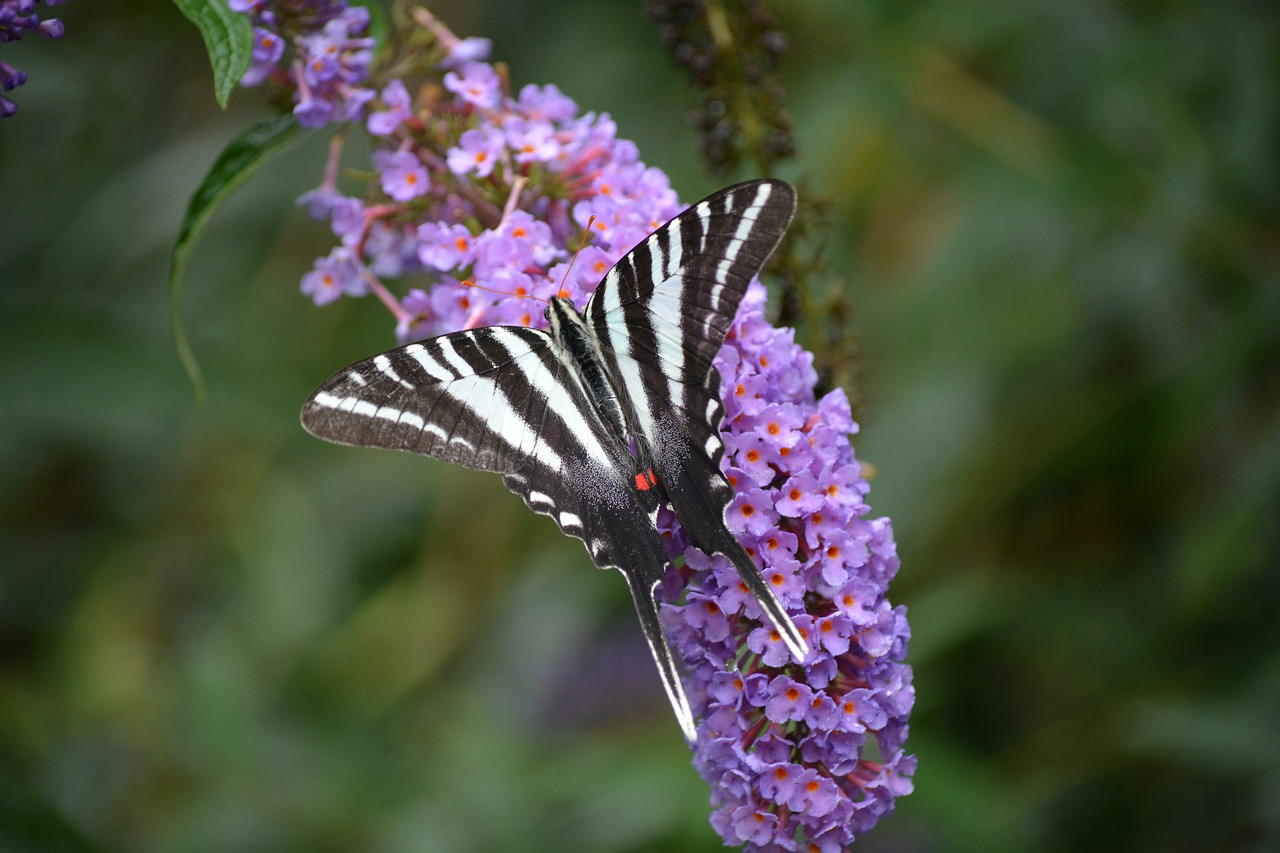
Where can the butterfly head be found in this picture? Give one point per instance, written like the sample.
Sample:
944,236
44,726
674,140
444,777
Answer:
560,312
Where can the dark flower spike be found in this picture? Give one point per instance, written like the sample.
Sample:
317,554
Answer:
16,18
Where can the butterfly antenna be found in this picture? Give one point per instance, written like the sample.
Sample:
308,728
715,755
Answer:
582,244
471,283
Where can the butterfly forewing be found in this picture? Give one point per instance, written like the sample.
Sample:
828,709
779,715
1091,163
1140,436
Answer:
456,398
493,399
670,301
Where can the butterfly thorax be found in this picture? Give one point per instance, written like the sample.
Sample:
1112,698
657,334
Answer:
580,351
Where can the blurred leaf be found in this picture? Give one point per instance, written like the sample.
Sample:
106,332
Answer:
956,609
29,822
227,35
240,159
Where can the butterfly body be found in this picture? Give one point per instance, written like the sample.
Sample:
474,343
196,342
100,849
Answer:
579,351
603,418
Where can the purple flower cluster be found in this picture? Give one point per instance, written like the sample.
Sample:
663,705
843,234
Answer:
482,186
329,60
17,17
808,752
477,185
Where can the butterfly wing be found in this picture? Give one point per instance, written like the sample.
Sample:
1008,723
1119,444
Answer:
453,398
661,316
499,399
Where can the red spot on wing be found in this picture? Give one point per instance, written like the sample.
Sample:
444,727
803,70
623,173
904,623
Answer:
646,480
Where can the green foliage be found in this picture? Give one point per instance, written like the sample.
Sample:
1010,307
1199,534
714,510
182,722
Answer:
227,36
243,156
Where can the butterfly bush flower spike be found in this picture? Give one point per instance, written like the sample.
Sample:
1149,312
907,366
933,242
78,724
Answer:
473,184
812,752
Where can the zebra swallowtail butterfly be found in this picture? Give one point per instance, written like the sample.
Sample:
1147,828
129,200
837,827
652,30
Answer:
598,421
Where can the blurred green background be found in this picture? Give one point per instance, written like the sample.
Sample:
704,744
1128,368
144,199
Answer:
1059,225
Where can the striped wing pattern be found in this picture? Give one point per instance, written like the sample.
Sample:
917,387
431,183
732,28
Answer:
495,399
661,316
505,399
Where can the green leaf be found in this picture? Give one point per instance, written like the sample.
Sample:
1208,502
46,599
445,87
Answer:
240,159
228,36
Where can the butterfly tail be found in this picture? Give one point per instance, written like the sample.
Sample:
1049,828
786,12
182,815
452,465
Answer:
760,590
642,585
699,495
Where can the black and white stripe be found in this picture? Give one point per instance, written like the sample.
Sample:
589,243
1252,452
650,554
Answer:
556,413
